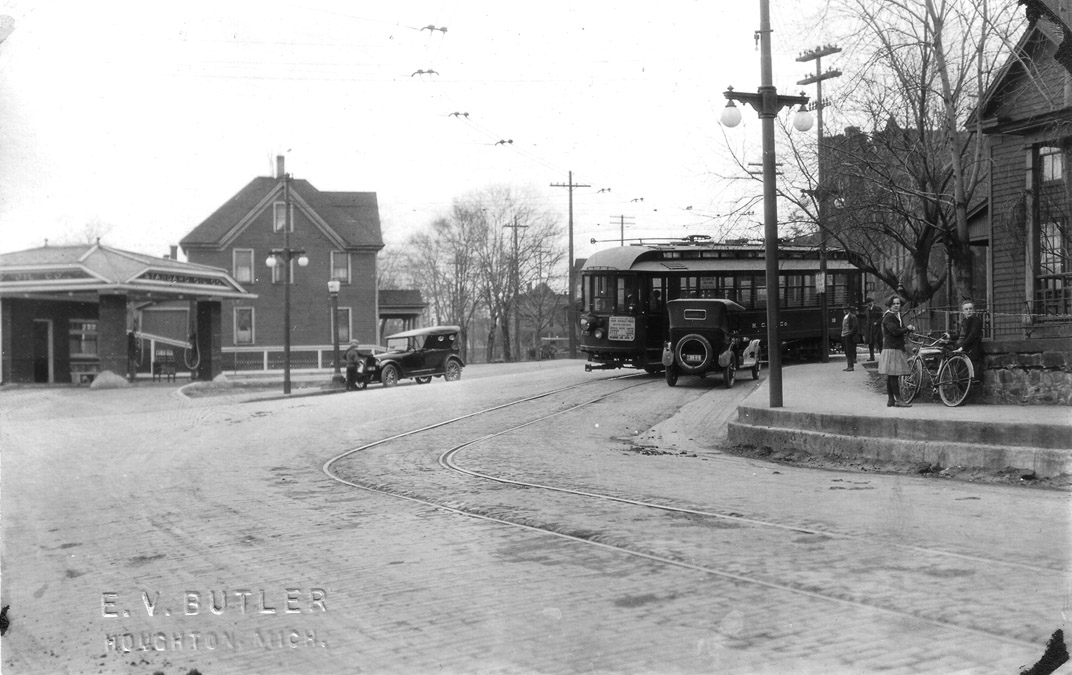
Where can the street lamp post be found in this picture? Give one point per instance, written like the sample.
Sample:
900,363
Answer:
768,103
333,290
283,256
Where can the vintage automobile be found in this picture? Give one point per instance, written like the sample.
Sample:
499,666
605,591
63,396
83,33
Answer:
421,354
703,338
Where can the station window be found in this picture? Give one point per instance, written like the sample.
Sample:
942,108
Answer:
83,338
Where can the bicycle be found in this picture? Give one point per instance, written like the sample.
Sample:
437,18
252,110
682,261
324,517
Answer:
949,372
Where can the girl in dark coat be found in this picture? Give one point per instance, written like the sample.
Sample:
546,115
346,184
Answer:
892,362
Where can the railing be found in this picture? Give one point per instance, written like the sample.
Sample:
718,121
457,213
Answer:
245,359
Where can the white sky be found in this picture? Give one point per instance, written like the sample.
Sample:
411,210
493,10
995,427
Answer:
147,119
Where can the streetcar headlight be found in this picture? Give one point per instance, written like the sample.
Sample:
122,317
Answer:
599,333
584,323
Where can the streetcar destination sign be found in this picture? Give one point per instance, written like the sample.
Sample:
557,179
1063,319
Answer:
621,328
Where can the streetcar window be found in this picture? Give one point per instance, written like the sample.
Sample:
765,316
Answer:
760,291
794,287
810,291
657,293
745,296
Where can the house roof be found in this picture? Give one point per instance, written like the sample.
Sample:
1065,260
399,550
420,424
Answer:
90,269
352,219
389,298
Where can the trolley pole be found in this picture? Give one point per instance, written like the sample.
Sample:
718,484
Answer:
571,310
817,56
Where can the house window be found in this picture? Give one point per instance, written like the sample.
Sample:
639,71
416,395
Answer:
344,325
279,216
242,265
1051,164
243,322
277,271
340,266
83,338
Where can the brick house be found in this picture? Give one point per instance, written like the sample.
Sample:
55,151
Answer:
339,233
1026,117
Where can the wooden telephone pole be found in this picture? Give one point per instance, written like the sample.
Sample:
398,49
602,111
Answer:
817,55
571,311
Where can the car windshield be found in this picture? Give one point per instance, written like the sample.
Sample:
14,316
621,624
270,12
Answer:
398,344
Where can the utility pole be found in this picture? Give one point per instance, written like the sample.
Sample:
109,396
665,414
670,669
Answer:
571,319
517,283
817,55
621,227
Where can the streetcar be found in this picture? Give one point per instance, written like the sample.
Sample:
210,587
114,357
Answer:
624,291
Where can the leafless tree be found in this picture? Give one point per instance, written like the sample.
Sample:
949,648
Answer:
902,177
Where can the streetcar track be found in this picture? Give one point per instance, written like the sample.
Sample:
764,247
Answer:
445,460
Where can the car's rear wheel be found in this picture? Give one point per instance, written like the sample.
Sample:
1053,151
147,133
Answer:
453,371
423,380
389,376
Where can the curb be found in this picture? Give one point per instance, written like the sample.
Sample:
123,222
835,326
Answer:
1029,447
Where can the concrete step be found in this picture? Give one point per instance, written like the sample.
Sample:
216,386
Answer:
1045,449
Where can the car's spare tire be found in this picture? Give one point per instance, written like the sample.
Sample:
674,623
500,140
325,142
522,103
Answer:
693,353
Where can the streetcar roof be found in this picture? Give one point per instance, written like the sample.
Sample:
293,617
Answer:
644,258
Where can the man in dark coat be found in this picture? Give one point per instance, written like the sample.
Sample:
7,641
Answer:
971,338
351,358
850,330
872,329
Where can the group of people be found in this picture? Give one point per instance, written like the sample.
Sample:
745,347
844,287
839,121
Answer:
886,331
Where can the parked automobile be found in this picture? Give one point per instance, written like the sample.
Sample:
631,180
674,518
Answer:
704,338
421,354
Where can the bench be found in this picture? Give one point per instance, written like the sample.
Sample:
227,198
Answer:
164,364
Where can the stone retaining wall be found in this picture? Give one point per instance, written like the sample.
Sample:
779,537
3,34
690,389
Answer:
1028,372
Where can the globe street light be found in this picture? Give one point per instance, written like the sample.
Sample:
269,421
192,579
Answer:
285,255
768,103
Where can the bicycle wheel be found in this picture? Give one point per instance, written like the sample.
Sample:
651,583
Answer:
954,380
911,382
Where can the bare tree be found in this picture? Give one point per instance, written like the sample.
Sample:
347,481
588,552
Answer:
91,232
903,175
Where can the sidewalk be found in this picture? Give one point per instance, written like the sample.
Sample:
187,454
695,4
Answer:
829,412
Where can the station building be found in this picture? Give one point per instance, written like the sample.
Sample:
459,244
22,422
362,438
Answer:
68,313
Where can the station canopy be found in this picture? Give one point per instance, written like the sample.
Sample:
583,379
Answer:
84,272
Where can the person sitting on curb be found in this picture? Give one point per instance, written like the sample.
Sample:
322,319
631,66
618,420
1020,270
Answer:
850,328
892,362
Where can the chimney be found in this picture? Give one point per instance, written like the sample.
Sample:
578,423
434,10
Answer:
279,166
174,252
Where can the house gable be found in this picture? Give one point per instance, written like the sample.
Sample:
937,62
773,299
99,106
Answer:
349,220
